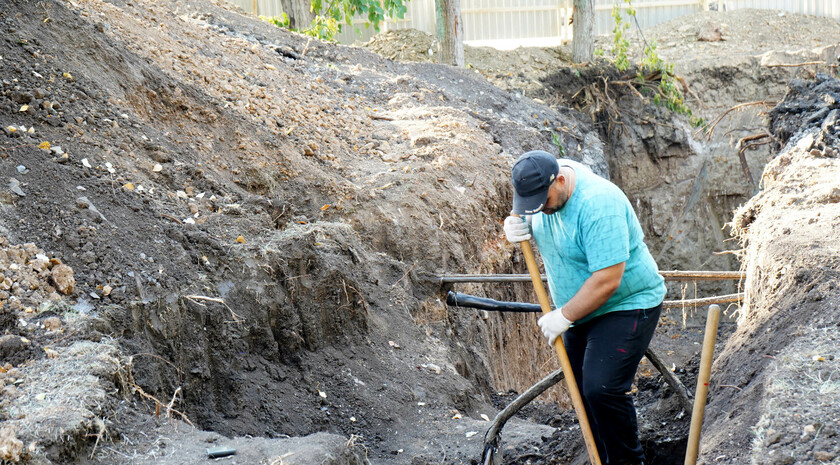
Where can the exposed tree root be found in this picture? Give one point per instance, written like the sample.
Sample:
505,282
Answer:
491,454
709,128
752,142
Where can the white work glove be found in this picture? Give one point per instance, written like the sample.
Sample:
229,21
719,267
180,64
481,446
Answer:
553,324
517,229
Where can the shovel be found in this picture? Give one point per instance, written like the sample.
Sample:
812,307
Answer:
577,400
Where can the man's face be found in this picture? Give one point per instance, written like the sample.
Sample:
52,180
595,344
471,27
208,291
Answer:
557,196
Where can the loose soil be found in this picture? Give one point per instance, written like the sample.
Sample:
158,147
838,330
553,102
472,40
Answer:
217,233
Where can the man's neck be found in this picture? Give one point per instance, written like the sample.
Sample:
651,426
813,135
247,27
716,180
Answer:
571,177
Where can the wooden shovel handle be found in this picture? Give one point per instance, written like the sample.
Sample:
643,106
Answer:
706,358
577,400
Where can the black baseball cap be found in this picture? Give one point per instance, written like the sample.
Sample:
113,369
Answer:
531,176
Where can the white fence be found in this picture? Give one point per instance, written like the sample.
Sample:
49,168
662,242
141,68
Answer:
827,8
511,23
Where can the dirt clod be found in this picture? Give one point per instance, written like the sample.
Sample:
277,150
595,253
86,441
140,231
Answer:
62,277
11,448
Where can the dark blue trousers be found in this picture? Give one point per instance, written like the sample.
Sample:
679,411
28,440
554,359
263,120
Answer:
604,354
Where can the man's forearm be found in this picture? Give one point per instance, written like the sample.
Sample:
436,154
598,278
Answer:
595,292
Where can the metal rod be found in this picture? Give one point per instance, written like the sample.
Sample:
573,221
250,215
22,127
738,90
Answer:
719,299
514,278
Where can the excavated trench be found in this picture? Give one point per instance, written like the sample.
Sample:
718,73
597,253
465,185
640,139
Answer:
330,326
298,319
304,316
280,357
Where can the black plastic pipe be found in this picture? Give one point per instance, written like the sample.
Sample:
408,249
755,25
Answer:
458,299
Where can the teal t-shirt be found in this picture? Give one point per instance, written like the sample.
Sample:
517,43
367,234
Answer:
595,229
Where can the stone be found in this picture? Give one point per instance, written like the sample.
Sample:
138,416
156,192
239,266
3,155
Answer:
823,456
433,368
785,459
88,257
39,264
22,97
830,195
52,323
422,141
14,186
710,33
773,437
63,280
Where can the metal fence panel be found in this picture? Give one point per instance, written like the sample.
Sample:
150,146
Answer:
648,13
508,23
515,19
826,8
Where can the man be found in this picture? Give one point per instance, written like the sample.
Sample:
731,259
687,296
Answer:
602,278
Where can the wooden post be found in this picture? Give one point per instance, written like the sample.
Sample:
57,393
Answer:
706,359
255,7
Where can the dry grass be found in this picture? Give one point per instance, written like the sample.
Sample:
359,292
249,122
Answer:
61,399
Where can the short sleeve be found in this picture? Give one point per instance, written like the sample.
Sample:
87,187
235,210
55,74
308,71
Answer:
606,241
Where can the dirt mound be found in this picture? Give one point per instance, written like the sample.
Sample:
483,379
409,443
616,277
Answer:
742,33
51,406
519,71
404,45
806,106
775,385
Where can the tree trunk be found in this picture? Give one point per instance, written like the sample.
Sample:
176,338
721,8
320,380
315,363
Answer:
450,31
300,16
583,44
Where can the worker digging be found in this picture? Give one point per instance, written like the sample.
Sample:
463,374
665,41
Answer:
603,280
